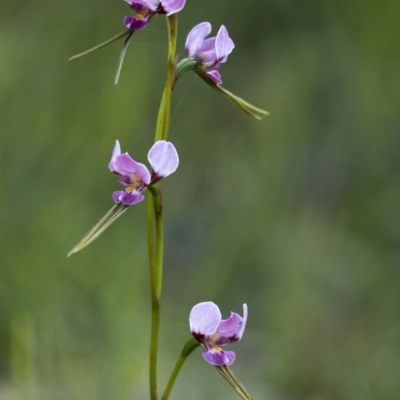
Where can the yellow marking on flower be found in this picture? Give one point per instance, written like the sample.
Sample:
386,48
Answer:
135,183
213,338
131,188
142,14
216,348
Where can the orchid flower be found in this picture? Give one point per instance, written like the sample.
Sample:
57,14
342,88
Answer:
212,332
205,57
209,53
147,9
135,176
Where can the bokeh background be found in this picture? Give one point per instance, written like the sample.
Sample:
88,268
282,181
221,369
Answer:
297,215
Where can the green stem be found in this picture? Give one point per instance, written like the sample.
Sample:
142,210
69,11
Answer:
155,328
154,304
186,351
164,113
158,209
156,254
150,242
156,263
185,65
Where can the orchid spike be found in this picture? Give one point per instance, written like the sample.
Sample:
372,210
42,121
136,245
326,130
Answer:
213,332
135,176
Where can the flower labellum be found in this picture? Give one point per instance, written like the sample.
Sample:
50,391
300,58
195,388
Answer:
135,176
147,9
209,53
212,332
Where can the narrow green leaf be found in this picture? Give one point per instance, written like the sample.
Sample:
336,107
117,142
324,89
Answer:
116,211
101,45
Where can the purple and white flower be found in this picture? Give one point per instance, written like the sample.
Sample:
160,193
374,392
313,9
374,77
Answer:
213,332
135,176
147,9
209,53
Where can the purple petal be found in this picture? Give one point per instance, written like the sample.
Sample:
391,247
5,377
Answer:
163,158
206,53
117,196
196,37
224,44
219,358
172,6
115,153
125,166
215,76
127,198
149,4
229,327
138,7
137,23
204,318
240,331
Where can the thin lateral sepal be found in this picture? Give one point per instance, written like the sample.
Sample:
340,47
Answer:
101,45
231,378
111,216
122,57
249,109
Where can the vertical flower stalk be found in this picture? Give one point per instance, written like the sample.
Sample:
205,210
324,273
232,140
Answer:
164,112
155,265
155,218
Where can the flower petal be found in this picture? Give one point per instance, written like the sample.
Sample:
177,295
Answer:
219,358
204,319
240,331
125,166
136,23
224,44
172,6
115,153
149,4
127,198
215,76
206,53
163,158
229,327
138,7
196,37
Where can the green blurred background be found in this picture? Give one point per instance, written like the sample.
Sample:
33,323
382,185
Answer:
297,215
